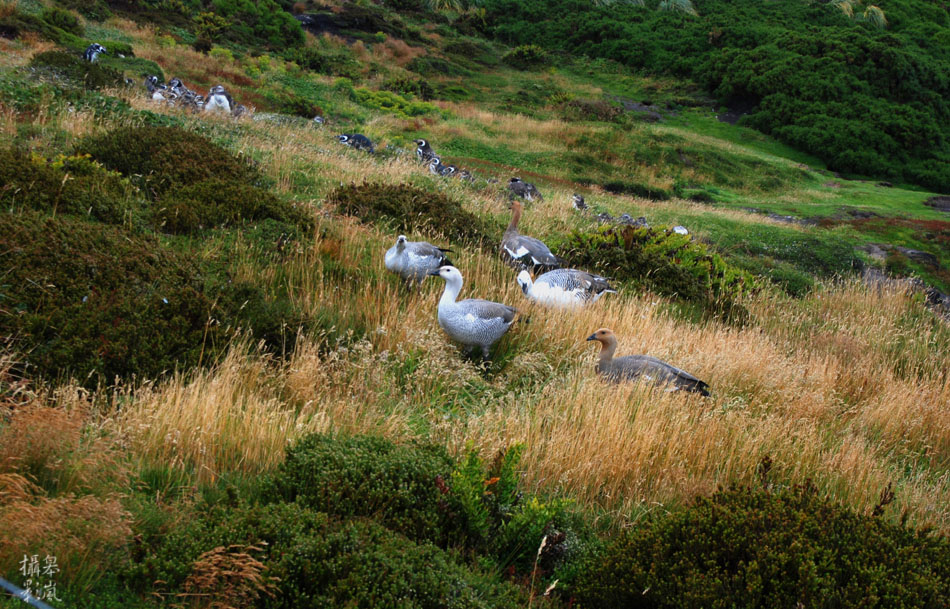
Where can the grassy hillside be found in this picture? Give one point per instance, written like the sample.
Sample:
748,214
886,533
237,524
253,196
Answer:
213,392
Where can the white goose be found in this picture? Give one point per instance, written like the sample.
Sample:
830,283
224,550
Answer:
472,322
564,287
413,260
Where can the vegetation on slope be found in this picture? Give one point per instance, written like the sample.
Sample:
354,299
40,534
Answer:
868,100
333,448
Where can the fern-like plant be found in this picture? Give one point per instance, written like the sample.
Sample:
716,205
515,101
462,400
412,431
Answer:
874,15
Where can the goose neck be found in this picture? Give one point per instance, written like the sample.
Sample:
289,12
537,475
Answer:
607,349
515,218
452,288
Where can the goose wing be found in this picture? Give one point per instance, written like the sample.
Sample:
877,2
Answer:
651,368
573,279
487,310
427,252
520,246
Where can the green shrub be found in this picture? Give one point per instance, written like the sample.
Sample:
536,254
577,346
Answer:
412,209
96,10
410,86
637,190
321,61
318,561
752,548
261,22
388,101
77,71
218,204
161,158
667,263
97,302
525,57
63,19
404,486
592,110
68,185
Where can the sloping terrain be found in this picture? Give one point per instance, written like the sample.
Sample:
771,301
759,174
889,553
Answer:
214,392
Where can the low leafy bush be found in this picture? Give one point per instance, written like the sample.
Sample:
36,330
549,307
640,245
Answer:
261,22
323,61
98,302
77,71
96,10
411,86
317,561
638,190
410,209
217,203
67,185
665,262
402,486
591,110
525,57
392,102
161,158
64,20
753,548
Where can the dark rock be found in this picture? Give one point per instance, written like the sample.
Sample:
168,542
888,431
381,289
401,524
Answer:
919,256
884,185
876,251
940,203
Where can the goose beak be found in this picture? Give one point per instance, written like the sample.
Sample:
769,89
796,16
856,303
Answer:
434,273
592,337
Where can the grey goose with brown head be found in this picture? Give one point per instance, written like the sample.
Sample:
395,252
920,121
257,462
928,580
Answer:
635,367
414,260
473,322
524,252
564,287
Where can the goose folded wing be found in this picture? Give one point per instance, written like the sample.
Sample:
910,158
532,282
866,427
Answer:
529,246
487,310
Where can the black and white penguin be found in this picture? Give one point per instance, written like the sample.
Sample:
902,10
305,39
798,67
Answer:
239,111
93,51
319,120
424,151
466,176
156,91
358,141
578,202
219,99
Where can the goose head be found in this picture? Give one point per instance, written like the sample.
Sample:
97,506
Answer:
451,274
524,280
604,336
401,242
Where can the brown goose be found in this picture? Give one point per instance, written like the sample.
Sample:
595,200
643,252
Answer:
634,367
525,252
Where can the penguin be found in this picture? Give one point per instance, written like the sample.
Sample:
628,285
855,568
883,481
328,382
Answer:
92,52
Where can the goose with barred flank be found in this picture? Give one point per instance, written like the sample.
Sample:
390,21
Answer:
564,287
413,260
472,322
635,367
524,252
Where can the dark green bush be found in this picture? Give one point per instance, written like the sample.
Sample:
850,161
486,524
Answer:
525,57
752,548
77,71
63,19
162,158
261,22
96,10
321,562
217,203
638,190
435,66
333,63
591,110
403,486
667,263
410,86
410,209
67,185
97,302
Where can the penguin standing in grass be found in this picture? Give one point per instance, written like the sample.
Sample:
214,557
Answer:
92,52
424,151
219,99
358,141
